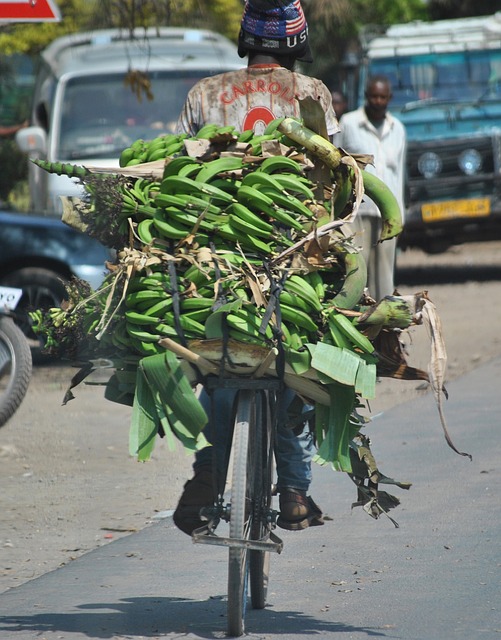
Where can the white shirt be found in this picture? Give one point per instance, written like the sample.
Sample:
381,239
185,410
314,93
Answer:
387,145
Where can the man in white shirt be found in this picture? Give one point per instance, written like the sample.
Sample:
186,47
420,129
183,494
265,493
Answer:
372,129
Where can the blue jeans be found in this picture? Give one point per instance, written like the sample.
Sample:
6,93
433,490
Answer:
293,453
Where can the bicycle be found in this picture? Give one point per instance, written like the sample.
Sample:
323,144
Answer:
248,509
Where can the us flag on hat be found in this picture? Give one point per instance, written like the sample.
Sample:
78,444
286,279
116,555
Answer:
295,20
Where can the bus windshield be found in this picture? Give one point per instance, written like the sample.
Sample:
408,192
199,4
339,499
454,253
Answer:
464,76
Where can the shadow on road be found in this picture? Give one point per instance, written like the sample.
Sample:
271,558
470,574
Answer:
446,274
153,616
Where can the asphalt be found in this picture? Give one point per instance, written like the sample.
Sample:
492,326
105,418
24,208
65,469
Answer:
435,577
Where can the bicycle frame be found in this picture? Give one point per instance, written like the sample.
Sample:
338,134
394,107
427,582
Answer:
206,535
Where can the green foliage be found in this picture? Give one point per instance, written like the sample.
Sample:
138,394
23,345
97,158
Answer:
82,15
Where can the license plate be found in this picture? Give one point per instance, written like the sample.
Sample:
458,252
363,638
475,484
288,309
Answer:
9,297
450,209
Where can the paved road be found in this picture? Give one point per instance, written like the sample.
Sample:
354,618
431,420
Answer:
436,577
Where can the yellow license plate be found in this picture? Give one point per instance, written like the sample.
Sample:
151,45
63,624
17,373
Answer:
450,209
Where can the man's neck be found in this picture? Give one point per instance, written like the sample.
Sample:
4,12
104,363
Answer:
266,60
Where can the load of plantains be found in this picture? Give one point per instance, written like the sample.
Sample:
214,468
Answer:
234,257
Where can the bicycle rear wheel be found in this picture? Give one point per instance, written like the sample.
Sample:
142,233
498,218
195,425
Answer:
244,471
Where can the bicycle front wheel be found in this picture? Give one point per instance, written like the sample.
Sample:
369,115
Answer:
259,561
241,513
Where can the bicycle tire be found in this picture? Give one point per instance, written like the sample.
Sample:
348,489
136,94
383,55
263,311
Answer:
259,561
242,484
15,368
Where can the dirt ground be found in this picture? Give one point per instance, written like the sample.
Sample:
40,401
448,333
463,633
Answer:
69,484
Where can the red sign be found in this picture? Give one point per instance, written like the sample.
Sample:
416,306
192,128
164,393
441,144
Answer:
29,11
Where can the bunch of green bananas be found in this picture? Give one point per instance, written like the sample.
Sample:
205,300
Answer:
205,260
238,206
263,209
160,147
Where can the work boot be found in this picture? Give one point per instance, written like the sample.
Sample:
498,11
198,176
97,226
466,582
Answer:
198,492
298,511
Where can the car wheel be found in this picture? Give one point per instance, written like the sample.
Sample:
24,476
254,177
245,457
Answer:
42,289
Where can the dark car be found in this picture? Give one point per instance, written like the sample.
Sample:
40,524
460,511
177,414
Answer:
39,254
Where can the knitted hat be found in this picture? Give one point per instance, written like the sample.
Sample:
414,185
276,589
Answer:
276,27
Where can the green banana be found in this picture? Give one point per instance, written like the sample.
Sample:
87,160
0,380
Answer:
316,281
293,184
183,201
135,298
215,167
387,204
198,315
354,282
190,220
157,154
176,185
189,171
339,338
239,210
294,301
261,179
186,323
302,288
134,317
170,229
344,189
159,309
141,334
145,230
279,163
297,317
174,166
195,304
246,227
261,202
245,136
288,202
229,185
255,143
254,199
247,322
349,330
174,147
207,131
251,242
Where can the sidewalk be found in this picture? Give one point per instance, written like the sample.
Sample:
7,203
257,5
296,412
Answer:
436,577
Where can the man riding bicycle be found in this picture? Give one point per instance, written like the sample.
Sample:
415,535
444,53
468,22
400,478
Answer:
273,36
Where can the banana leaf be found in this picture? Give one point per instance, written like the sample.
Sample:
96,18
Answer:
334,363
164,396
144,420
365,382
300,361
334,430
